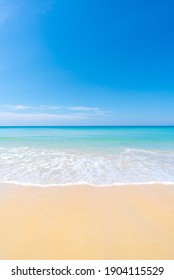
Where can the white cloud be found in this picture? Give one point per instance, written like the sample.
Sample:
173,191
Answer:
90,111
13,118
31,116
84,109
8,107
75,109
22,114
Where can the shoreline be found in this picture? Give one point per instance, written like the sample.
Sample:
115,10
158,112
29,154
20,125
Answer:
21,184
83,222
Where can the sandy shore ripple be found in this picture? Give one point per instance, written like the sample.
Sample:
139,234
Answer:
85,222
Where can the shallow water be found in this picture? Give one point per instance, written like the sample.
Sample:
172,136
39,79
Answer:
93,155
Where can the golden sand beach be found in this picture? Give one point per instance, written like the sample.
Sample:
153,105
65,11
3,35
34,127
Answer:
85,222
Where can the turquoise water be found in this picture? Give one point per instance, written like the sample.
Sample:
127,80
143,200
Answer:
94,155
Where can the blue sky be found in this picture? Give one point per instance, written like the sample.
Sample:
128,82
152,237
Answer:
73,62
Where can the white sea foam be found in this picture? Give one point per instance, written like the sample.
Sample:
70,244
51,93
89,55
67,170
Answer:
45,167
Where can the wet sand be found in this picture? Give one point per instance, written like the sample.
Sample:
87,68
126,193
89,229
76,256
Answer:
85,222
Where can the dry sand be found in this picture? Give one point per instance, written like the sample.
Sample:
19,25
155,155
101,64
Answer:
83,222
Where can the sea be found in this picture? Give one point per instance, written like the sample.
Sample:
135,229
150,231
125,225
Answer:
100,156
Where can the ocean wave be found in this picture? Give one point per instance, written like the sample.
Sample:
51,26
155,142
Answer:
47,167
82,184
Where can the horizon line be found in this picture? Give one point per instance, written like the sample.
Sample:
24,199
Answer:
38,126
